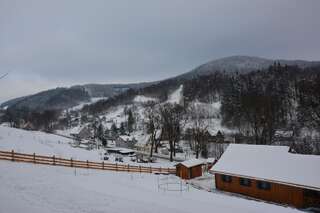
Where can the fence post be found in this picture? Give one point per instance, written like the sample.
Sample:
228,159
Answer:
103,165
54,160
150,170
87,164
168,170
12,155
140,169
34,157
71,162
128,168
116,166
160,169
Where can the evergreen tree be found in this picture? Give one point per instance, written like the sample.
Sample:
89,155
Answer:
131,121
114,129
101,136
122,129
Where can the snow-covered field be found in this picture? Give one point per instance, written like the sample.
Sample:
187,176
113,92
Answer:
38,188
43,144
47,144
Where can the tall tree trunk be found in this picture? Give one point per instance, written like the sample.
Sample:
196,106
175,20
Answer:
171,151
152,144
197,150
157,143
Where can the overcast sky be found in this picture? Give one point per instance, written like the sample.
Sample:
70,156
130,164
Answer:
45,44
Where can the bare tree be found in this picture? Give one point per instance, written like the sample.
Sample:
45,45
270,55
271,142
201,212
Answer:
153,125
199,126
171,117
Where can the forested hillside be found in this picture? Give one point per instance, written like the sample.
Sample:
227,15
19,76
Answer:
252,106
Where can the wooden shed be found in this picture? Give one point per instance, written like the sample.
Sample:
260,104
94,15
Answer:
269,173
189,169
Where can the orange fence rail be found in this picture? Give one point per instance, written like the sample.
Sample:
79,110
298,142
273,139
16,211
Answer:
56,161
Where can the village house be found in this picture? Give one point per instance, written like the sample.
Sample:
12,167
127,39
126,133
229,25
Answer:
189,169
269,173
125,141
84,134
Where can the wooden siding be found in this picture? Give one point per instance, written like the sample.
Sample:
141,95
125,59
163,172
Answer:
188,173
277,193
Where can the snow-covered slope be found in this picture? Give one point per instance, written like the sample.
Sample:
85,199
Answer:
92,101
42,143
212,114
42,189
47,144
176,96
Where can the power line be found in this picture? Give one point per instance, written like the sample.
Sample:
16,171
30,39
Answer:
4,75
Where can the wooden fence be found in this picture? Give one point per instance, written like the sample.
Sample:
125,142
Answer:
56,161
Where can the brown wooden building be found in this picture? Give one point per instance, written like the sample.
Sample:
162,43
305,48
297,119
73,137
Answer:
189,169
269,173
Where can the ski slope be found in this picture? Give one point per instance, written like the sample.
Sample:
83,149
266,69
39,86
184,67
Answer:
33,188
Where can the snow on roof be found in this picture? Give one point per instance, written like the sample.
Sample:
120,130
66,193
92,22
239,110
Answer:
192,163
272,163
126,137
283,133
210,160
120,150
143,99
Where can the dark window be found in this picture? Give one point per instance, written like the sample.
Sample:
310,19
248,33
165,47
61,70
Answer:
311,193
226,178
263,185
245,182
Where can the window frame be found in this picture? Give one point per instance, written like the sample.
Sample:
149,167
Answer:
263,185
245,182
226,178
311,193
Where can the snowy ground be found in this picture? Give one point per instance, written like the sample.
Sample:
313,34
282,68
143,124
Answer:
37,188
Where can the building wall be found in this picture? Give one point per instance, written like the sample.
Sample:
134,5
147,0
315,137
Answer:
188,173
277,193
182,172
196,171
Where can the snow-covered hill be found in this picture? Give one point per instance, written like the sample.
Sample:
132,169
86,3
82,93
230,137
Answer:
42,143
242,64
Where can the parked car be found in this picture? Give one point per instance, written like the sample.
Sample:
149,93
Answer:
119,158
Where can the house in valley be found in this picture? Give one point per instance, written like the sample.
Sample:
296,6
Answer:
84,134
269,173
125,141
189,169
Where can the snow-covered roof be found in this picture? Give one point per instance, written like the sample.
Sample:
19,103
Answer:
210,160
282,133
126,137
120,150
143,99
271,163
192,163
